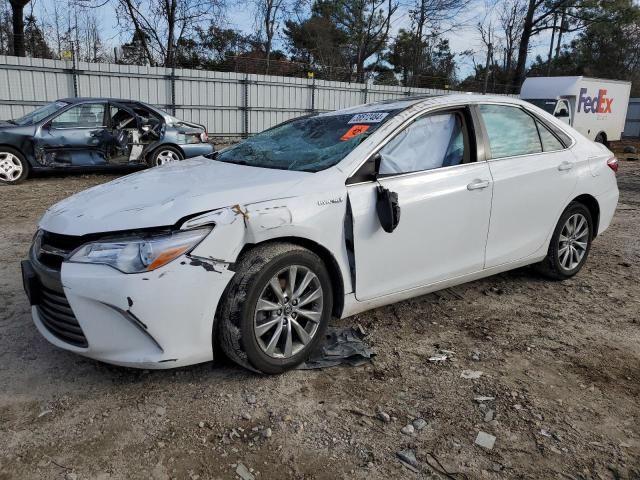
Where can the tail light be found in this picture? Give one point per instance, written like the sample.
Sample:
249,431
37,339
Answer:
204,136
612,163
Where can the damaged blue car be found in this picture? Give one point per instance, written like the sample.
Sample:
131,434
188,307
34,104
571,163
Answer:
95,133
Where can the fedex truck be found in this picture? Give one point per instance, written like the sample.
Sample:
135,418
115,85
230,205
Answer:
595,107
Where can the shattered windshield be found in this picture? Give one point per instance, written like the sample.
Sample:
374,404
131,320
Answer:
40,113
308,144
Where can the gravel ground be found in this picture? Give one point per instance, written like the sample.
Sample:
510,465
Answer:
561,362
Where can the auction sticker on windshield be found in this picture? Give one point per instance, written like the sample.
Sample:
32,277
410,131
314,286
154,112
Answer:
354,132
371,117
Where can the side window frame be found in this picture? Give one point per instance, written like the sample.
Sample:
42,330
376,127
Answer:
105,109
473,146
487,143
537,121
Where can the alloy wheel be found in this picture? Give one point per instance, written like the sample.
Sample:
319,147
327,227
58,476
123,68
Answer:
167,156
573,241
10,167
288,312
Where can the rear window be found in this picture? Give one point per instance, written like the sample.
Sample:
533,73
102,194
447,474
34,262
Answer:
308,144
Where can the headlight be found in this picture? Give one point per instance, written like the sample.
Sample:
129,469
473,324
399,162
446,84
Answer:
140,254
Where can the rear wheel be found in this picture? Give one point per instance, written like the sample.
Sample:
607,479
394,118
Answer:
276,308
601,138
164,155
14,168
570,244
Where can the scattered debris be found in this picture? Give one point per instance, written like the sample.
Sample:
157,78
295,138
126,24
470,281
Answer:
441,357
488,416
481,399
485,440
384,417
408,456
408,430
471,374
419,424
251,399
342,346
267,433
43,413
201,424
244,473
475,356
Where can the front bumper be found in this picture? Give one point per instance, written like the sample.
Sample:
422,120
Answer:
159,319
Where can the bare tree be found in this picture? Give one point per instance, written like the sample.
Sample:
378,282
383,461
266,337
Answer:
269,14
159,26
539,17
17,11
427,16
511,18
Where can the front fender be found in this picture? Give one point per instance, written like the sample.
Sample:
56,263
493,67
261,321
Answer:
318,218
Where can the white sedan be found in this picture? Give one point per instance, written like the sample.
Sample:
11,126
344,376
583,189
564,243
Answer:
254,250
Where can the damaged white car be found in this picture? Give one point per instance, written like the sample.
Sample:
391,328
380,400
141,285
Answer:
325,216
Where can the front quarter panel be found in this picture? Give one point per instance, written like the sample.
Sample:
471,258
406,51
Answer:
317,217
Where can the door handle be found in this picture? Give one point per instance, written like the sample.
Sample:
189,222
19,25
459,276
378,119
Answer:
565,166
478,185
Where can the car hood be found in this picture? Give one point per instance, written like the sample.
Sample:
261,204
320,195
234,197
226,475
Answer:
161,196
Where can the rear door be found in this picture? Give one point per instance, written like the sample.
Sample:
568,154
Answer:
533,176
445,198
76,137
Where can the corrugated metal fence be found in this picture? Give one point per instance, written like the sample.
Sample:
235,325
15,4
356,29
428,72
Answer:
632,127
229,104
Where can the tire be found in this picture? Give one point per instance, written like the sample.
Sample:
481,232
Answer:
601,138
14,168
163,155
246,332
557,265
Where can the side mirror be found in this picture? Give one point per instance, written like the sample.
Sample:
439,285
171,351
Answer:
388,209
377,160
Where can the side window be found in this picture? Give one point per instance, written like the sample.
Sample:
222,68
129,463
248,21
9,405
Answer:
86,115
549,141
430,142
511,131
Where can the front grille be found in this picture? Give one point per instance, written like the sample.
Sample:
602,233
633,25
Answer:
54,248
56,315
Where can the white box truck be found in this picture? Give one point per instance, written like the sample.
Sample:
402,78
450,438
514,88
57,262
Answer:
595,107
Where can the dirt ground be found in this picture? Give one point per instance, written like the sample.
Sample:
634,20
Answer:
561,359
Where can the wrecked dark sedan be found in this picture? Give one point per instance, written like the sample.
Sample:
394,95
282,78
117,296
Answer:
95,133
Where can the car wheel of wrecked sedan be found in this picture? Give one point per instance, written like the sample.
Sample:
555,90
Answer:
570,243
164,155
276,309
13,166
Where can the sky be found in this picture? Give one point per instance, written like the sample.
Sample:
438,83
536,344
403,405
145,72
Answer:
240,16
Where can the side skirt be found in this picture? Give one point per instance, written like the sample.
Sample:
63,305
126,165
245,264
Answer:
352,306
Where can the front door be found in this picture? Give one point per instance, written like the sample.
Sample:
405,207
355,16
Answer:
76,137
445,199
533,177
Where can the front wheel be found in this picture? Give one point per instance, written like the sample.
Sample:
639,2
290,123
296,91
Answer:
570,244
164,155
276,308
14,168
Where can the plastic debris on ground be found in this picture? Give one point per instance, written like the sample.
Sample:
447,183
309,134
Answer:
341,346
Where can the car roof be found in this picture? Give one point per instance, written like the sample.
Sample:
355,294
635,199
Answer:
442,99
96,99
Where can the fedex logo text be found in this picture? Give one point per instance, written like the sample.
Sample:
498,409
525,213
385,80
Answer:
599,104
